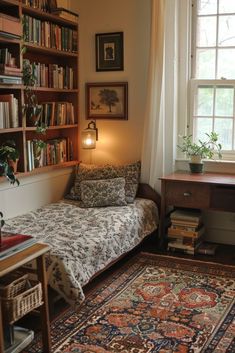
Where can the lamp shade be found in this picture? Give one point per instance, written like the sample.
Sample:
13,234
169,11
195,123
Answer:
88,138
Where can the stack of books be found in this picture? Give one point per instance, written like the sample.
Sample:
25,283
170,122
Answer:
186,231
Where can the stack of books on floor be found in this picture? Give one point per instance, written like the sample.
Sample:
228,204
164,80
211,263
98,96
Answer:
186,231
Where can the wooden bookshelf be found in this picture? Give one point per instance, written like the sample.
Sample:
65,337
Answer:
42,55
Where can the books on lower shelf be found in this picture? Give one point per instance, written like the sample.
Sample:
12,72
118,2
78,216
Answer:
186,231
10,243
186,249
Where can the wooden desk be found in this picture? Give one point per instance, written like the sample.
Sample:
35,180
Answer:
212,191
36,251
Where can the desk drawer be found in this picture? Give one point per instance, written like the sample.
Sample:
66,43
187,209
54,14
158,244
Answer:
183,194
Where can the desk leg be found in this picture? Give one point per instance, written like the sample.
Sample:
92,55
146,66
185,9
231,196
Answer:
45,323
162,223
1,331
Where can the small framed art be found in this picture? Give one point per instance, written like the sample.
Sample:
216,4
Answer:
109,51
107,100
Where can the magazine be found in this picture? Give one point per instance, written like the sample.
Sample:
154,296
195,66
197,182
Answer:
11,243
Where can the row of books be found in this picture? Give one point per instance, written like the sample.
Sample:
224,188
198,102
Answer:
9,111
54,152
186,231
57,113
43,5
51,6
53,75
49,35
6,58
12,80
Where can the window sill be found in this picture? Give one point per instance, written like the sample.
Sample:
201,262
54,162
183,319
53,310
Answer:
214,166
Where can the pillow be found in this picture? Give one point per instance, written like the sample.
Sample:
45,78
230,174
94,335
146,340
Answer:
131,173
106,192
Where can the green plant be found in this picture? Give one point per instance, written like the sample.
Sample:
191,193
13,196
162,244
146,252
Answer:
31,108
203,149
8,153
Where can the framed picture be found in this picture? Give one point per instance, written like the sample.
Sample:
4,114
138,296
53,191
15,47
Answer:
107,100
109,51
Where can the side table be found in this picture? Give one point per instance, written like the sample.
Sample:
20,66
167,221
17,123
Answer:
36,251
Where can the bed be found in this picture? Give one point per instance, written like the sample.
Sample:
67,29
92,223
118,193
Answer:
84,241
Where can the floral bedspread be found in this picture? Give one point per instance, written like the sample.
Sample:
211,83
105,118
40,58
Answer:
84,240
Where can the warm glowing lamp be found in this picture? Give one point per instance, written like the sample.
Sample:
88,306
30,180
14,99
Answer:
90,136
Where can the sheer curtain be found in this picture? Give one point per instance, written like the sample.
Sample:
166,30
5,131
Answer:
161,108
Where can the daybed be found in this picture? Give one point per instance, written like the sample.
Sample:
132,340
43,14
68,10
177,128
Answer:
85,241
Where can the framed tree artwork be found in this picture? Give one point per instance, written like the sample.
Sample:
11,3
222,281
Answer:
107,100
109,51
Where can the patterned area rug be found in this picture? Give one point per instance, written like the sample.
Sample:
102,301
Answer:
153,304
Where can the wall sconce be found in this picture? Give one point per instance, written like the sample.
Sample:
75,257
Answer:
90,136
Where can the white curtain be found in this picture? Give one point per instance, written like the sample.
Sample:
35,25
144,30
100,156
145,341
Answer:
161,107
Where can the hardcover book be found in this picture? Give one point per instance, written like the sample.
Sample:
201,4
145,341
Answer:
11,243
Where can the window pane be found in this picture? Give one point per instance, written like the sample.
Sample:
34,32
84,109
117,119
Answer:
226,6
226,31
226,66
202,126
204,106
205,67
224,128
224,101
206,31
206,7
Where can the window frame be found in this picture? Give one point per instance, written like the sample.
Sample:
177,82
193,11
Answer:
194,83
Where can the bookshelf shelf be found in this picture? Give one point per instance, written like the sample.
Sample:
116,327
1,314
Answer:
56,127
47,16
35,48
11,130
55,62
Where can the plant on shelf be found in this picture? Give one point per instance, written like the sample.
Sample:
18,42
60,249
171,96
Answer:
31,109
38,147
205,149
9,157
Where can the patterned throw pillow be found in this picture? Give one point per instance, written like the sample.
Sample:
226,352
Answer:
106,192
131,173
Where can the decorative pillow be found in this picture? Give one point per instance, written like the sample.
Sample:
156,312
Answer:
131,173
106,192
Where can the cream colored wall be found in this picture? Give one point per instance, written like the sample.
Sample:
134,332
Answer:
119,141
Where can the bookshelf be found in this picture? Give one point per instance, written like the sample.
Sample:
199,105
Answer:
51,44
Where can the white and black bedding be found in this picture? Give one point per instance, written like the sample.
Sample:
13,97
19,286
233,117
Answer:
84,241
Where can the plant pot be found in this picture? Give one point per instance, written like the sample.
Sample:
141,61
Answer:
13,164
33,115
196,159
196,167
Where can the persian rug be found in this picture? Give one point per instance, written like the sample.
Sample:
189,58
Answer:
153,303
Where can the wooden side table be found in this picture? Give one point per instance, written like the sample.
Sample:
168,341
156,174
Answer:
11,263
213,191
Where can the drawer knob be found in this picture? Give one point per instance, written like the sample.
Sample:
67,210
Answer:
187,194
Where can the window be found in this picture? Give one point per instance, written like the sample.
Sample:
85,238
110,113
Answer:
213,71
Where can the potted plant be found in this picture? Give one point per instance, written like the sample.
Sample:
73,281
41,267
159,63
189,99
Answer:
200,150
9,157
38,147
31,109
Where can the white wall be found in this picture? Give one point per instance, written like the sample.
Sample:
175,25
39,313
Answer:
33,192
119,141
